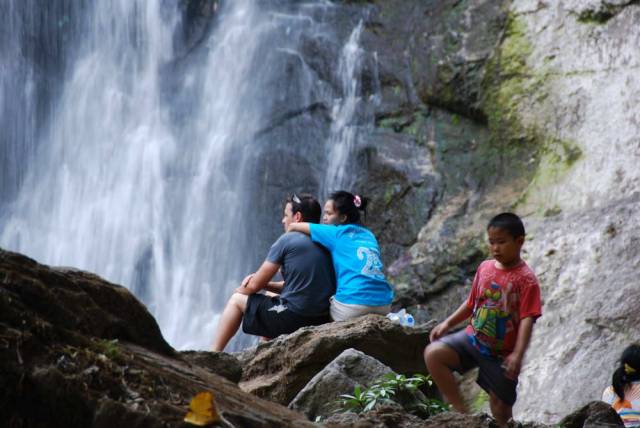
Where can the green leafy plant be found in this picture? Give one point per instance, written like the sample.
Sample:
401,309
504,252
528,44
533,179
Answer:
109,348
385,389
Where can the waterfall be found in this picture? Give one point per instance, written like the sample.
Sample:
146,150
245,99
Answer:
343,135
162,166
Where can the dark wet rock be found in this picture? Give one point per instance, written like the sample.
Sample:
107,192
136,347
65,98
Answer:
400,174
77,351
279,369
435,52
65,303
220,363
594,414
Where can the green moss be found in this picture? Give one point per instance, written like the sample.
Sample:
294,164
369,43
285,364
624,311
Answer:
557,157
507,81
508,86
411,124
389,193
109,348
600,16
480,402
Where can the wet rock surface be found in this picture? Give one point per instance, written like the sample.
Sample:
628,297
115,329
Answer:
277,370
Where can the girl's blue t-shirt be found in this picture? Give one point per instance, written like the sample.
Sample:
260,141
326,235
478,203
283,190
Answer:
356,260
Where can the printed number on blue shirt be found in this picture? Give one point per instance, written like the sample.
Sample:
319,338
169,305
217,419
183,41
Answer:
373,265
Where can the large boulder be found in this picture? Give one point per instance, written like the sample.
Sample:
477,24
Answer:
350,369
593,415
279,369
67,302
77,351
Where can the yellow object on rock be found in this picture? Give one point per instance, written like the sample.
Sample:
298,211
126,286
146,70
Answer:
202,410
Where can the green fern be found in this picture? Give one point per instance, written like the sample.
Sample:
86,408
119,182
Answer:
383,391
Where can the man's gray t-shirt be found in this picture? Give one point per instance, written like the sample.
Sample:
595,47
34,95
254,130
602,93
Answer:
309,279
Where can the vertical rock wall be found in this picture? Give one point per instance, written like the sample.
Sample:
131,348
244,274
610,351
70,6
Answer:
524,105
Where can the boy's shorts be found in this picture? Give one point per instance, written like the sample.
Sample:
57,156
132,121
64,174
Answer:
491,377
269,317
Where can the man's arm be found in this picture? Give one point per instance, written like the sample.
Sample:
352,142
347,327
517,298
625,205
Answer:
275,286
260,279
461,314
513,362
299,227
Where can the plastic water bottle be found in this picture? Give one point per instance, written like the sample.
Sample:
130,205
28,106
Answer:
402,317
408,320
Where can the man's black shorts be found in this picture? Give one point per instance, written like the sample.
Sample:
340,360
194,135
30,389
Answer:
269,317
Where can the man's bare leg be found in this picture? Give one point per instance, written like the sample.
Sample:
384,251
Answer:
501,412
439,358
230,321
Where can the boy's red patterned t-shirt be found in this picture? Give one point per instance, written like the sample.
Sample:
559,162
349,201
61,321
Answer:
499,299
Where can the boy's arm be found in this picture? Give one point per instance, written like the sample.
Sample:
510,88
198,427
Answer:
513,362
299,227
258,280
461,314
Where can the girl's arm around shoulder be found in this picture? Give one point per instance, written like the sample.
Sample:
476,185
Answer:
299,227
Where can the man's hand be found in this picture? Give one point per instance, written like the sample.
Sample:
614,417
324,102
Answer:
246,280
439,331
512,365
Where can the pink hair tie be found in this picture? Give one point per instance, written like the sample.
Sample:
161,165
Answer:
357,201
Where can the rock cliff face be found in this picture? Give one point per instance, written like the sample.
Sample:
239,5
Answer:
523,105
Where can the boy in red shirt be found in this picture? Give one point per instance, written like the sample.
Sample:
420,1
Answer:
503,304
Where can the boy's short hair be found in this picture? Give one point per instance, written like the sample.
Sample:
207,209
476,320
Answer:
306,205
509,222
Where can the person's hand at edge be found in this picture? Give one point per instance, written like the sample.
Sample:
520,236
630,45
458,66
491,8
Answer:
438,331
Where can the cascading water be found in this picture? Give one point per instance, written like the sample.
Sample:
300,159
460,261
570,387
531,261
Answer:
163,168
343,136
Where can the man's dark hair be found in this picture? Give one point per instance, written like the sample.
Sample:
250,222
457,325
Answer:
306,205
509,222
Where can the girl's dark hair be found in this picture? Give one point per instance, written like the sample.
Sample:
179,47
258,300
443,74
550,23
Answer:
628,371
345,203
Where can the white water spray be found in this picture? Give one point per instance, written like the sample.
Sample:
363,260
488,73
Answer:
146,169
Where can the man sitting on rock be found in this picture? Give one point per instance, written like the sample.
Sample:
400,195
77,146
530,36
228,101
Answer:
301,299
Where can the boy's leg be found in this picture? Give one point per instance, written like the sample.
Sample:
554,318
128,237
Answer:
230,320
440,358
501,411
